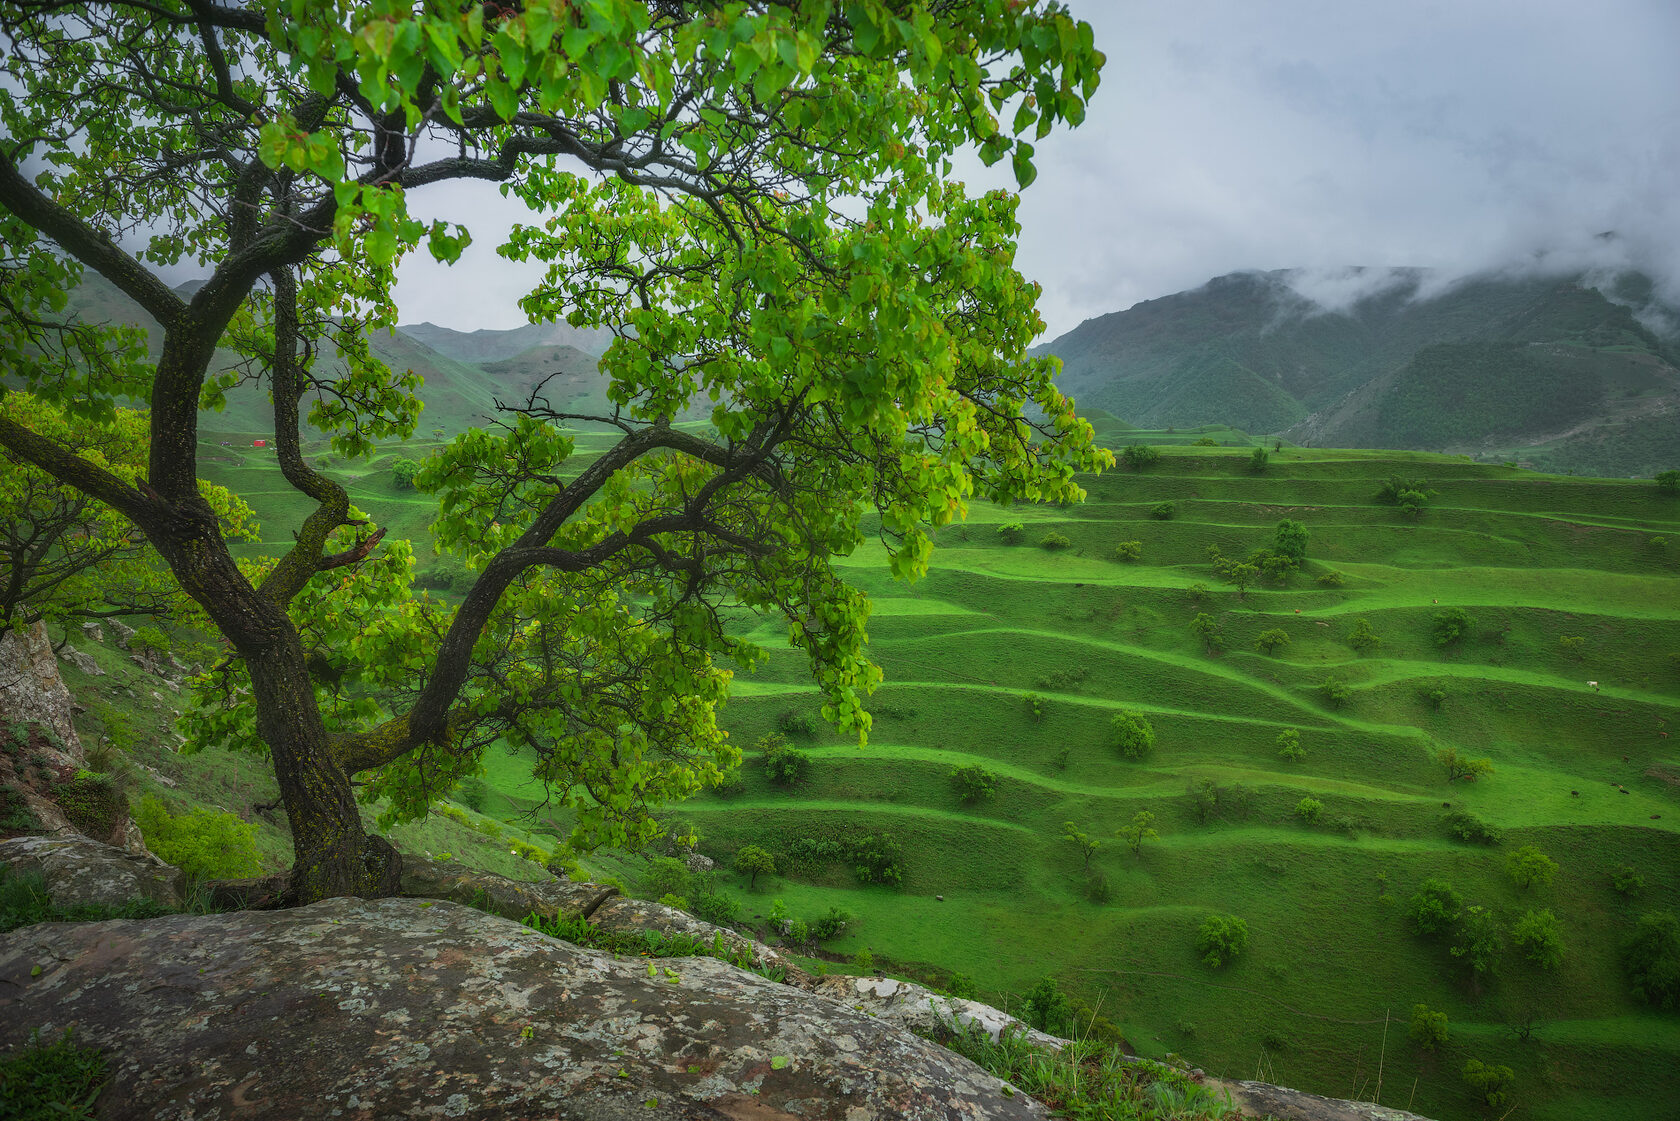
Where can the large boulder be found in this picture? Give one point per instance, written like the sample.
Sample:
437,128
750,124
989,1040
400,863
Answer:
31,690
82,872
925,1011
407,1007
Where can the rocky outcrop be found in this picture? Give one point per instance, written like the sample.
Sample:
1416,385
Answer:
408,1007
1260,1099
31,691
925,1011
80,871
513,899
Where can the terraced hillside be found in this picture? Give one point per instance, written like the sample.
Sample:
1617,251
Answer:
1587,775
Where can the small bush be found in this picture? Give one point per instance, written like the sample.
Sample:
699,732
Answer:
1161,511
1012,532
1206,627
1435,907
1289,540
1331,579
1205,442
1434,698
1363,637
752,861
1333,691
1461,766
1626,881
1669,481
1270,642
1529,867
1055,541
203,844
1047,1007
1131,734
785,764
1035,706
1128,551
1536,934
1258,460
92,803
1097,888
1470,829
1309,809
1289,745
403,472
799,724
1198,592
831,925
1452,626
1140,457
1491,1083
864,959
1652,959
1429,1028
1221,938
1574,645
974,783
877,858
148,640
962,987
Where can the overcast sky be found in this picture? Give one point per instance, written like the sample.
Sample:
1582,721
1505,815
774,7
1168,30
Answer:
1228,135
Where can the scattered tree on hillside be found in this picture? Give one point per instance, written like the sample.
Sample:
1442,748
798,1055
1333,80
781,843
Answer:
785,764
755,207
1289,745
1137,831
1129,551
1626,881
1491,1083
974,783
1364,636
1271,641
1429,1028
1290,539
1161,511
403,472
1574,645
1334,691
1056,541
1461,766
1047,1007
1140,457
1242,575
1452,626
1479,940
752,861
1410,495
1536,934
1669,481
1652,959
1435,908
1130,734
1205,627
1221,938
1082,843
1309,809
1258,460
1529,867
1012,532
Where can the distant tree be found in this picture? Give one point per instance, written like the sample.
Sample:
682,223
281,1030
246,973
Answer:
1289,745
1461,766
1479,940
1258,460
1205,442
1429,1028
1012,532
1161,511
1626,881
1470,829
1055,541
1452,626
974,783
785,764
1331,579
1047,1008
1364,637
1082,843
1669,481
1652,959
1333,691
1129,551
1198,592
1309,809
1270,642
1290,539
403,472
1131,734
751,861
1572,644
1411,495
1529,867
1035,706
1140,457
1221,938
1435,908
1491,1083
1242,575
1536,934
1275,567
1138,830
1206,628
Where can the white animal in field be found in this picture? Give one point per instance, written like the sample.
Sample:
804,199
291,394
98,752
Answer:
1593,685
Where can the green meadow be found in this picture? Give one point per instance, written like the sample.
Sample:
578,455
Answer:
1015,657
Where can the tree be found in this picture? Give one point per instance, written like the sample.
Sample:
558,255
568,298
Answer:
1536,934
1529,867
1221,938
974,783
1334,691
1492,1083
1652,959
1452,626
1309,810
785,764
1082,842
1206,628
1130,734
1289,745
1364,636
1435,907
751,861
403,472
1429,1028
1271,641
1290,540
1138,830
1479,940
1669,481
1047,1007
1461,766
750,196
1140,457
1242,575
1258,460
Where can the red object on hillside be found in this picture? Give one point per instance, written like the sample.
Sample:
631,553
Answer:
259,443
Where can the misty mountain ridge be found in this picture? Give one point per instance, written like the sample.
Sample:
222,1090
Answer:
1575,372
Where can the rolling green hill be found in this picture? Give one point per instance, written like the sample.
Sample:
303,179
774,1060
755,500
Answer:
1549,371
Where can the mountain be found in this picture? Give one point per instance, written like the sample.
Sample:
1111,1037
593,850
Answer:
496,346
1568,373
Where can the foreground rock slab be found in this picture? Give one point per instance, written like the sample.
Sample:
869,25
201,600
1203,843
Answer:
406,1007
82,872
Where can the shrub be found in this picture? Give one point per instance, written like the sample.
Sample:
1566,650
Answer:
1652,959
1536,934
1626,881
1429,1028
1054,541
675,902
1573,644
1363,637
1461,766
1047,1007
443,574
1289,745
1242,575
1221,938
1289,539
1206,627
149,640
1331,579
665,875
402,473
1435,907
752,861
864,959
1309,809
47,1080
1035,705
1161,511
1138,830
204,844
831,925
1491,1083
1668,481
1470,829
1197,592
1098,889
785,764
1130,734
1205,442
877,858
1529,867
717,907
1411,495
1258,460
962,987
791,723
1140,457
1333,691
1434,698
1012,532
974,783
92,803
1128,551
1452,626
1478,940
1270,642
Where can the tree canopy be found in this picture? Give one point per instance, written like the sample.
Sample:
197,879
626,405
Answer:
754,196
